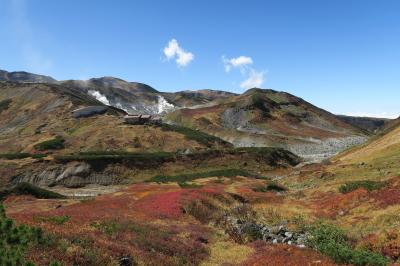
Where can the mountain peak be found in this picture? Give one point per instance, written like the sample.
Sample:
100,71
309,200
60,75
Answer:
25,77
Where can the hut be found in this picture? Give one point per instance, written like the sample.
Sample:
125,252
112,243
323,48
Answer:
142,119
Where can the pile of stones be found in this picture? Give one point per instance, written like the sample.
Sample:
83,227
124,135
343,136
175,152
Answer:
271,234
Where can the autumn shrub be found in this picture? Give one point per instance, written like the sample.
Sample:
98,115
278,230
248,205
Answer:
160,244
203,210
332,242
366,184
56,143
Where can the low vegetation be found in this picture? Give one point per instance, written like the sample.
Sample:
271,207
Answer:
189,185
14,156
58,220
366,184
182,178
5,104
115,156
332,242
21,155
196,135
270,187
29,189
56,143
15,240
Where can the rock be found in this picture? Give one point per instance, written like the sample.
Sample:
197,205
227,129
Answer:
274,230
126,261
288,234
81,169
89,111
301,246
275,241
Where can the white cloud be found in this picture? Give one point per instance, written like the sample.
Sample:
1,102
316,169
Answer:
174,51
255,80
241,62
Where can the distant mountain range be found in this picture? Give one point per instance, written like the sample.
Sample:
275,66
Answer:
257,117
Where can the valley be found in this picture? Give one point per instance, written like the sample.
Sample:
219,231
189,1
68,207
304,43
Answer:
259,178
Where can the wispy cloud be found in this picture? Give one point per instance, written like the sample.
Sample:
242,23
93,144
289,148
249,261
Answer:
391,115
253,79
240,62
33,57
174,51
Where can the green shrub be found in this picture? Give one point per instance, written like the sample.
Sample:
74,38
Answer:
59,220
13,156
29,189
116,156
196,135
366,184
189,185
53,144
332,242
38,155
271,186
182,178
5,104
15,240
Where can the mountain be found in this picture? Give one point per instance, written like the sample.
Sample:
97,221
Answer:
34,112
370,124
255,118
130,96
384,147
262,117
22,76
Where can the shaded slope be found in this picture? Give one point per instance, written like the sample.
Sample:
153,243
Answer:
370,124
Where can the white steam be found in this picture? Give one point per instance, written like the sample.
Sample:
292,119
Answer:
100,97
163,105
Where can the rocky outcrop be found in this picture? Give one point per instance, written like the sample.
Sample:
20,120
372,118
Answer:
72,175
272,234
89,111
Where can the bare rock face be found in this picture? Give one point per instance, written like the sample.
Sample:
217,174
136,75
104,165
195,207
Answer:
73,175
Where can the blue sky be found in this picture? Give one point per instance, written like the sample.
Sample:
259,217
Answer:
342,55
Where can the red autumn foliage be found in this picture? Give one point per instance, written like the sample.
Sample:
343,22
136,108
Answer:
328,205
